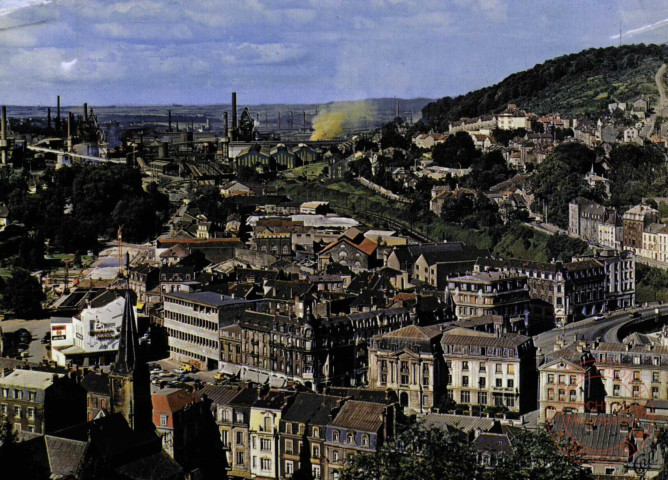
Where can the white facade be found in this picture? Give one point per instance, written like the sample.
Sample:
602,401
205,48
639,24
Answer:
96,330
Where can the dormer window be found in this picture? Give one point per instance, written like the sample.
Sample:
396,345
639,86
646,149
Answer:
350,438
335,435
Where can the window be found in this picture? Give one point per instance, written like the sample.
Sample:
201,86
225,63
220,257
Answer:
616,390
31,413
335,435
571,380
465,365
482,382
315,432
511,369
466,396
483,367
163,420
31,428
32,396
616,375
289,467
465,381
562,379
498,368
655,392
18,394
350,438
449,379
254,462
17,411
288,447
511,383
5,392
265,444
240,417
265,464
240,438
550,378
655,377
267,423
316,451
336,455
240,458
225,438
365,440
482,398
499,382
316,471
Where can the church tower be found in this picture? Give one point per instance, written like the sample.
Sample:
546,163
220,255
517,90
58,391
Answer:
128,379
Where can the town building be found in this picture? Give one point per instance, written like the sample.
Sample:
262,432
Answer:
193,322
359,428
40,402
634,221
489,293
490,370
410,362
265,420
303,431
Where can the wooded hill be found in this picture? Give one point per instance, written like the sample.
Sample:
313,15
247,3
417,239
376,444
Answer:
571,84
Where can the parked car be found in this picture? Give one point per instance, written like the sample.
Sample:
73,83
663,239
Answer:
636,315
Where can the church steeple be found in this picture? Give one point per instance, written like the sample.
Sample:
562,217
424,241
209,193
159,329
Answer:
128,345
128,379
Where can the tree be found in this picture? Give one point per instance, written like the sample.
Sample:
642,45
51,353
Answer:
489,170
535,456
23,294
418,453
563,247
458,151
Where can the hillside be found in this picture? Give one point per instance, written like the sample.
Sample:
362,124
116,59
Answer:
576,83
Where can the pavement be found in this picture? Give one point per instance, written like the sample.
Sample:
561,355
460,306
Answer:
37,350
590,330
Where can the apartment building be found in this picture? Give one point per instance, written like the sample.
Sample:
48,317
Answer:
489,293
489,370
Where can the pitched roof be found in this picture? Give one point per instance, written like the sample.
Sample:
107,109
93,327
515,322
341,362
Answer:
64,455
413,331
358,415
173,401
507,340
221,395
310,408
96,383
465,423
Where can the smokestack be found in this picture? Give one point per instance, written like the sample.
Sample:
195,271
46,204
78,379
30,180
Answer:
58,115
70,121
397,113
305,120
85,115
48,118
3,135
169,114
292,118
234,110
226,125
279,120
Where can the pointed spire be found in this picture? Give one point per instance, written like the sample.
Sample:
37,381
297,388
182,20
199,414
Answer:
128,345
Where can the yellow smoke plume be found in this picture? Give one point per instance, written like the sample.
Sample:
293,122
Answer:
338,118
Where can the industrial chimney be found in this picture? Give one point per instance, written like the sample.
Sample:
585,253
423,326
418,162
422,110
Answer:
58,116
48,118
226,131
234,111
3,135
70,121
169,114
85,115
304,120
279,120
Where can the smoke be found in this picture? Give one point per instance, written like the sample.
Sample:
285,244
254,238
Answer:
642,29
339,118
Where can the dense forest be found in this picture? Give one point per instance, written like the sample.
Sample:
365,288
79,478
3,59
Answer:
576,83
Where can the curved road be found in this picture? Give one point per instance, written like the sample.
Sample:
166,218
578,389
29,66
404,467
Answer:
605,328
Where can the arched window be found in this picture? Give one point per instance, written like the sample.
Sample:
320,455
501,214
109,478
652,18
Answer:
335,435
267,423
365,440
350,438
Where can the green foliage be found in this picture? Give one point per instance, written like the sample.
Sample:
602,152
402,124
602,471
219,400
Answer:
651,283
562,247
559,179
23,294
535,456
458,151
472,211
567,84
214,207
637,172
505,136
417,454
102,197
489,170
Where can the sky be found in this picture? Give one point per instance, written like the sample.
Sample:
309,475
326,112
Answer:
156,52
